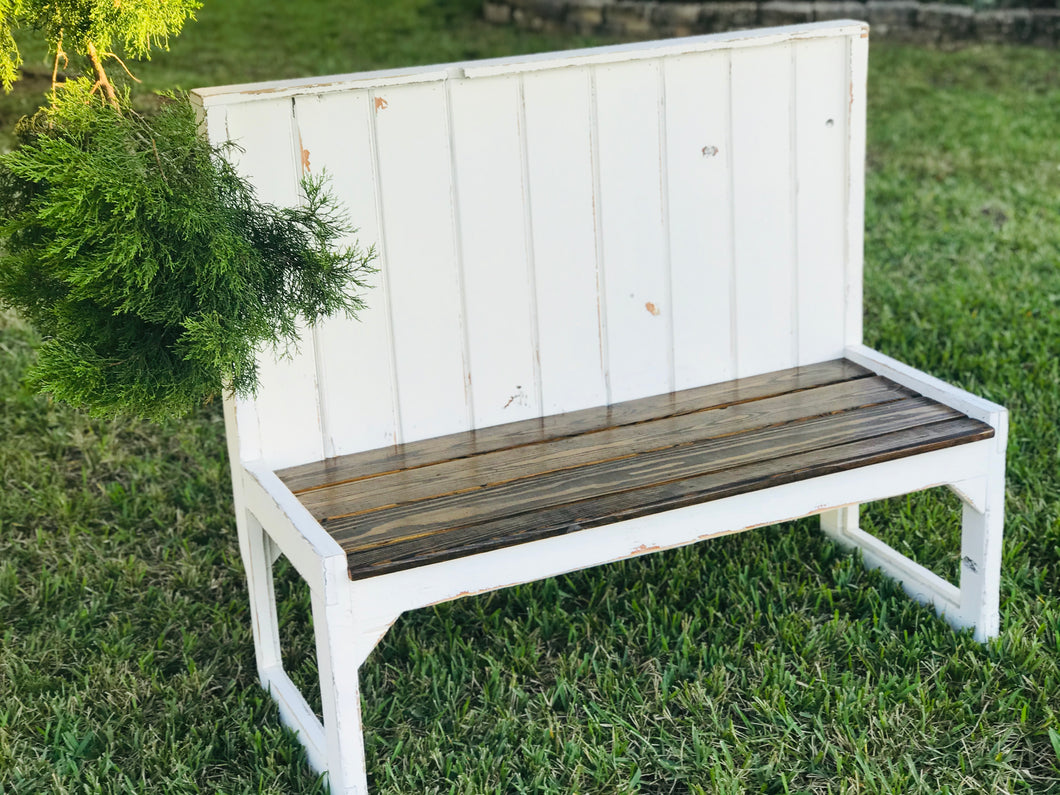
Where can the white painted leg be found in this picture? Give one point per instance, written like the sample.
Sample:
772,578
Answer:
981,537
976,604
838,523
339,656
918,582
258,556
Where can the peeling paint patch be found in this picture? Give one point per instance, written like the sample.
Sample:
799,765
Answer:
653,309
381,104
462,594
969,564
518,399
278,89
644,548
305,159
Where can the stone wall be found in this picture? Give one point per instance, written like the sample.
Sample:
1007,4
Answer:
928,23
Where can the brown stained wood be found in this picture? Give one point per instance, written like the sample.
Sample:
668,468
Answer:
453,496
348,468
571,517
511,464
426,517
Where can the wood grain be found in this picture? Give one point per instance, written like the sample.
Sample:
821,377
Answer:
438,499
399,523
610,444
332,471
571,517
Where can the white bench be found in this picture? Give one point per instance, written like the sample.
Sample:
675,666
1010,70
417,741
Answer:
618,311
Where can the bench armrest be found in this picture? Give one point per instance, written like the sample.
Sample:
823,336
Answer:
308,546
927,385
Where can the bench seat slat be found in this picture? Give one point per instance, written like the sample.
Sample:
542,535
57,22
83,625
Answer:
332,471
598,447
571,517
521,483
398,523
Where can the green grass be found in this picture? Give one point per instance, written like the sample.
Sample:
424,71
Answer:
765,662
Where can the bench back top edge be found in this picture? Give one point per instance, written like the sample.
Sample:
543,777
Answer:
564,230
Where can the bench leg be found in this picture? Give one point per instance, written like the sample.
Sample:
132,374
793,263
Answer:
339,655
258,555
335,746
981,536
976,604
838,524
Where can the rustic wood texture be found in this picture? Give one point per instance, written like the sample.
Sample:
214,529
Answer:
331,471
439,499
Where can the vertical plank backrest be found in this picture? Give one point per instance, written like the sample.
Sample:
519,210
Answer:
269,156
562,231
499,300
332,126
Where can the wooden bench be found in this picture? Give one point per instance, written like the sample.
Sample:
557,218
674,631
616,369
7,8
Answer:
618,311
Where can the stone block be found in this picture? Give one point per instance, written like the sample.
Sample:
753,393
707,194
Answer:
719,17
676,19
838,9
892,16
629,18
549,10
1045,27
948,22
1005,26
498,13
586,16
785,12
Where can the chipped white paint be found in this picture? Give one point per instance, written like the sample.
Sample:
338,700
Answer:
629,208
356,381
498,284
271,159
858,70
553,232
699,167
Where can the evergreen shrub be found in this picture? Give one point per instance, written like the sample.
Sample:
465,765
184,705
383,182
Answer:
148,264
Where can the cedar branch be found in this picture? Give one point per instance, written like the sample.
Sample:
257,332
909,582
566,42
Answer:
59,53
102,81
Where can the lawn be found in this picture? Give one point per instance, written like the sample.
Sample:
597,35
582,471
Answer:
764,662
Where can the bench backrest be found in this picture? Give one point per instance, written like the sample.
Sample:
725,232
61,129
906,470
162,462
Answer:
565,230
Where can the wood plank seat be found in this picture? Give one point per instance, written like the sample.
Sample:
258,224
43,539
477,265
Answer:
409,505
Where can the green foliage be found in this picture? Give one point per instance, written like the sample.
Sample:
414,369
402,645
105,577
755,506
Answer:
147,263
10,59
77,25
